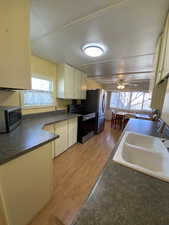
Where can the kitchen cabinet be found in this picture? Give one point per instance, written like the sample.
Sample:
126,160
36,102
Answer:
67,131
166,43
71,83
165,111
157,61
77,84
158,95
72,132
158,83
26,185
158,89
83,85
61,144
15,44
51,129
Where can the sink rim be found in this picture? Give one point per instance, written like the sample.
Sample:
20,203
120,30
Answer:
118,157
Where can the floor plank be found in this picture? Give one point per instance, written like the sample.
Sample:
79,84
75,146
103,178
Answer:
75,174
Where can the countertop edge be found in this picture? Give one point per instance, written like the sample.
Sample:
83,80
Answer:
39,126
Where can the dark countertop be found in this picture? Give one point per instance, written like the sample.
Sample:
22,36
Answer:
123,196
29,135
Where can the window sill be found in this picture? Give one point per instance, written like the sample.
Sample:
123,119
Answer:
37,107
132,111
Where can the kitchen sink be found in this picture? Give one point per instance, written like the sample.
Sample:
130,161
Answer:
142,141
145,154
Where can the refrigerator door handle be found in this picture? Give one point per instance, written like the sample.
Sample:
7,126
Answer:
103,104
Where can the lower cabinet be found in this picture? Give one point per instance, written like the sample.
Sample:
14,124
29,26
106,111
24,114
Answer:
51,129
26,185
72,131
67,131
61,143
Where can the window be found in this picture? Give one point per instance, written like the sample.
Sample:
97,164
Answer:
131,100
40,95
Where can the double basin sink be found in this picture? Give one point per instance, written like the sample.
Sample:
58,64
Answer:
145,154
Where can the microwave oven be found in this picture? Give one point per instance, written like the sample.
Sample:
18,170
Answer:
10,118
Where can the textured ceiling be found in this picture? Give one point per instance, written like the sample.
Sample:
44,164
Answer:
127,29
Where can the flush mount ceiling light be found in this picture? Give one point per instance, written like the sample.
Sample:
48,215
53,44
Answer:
93,50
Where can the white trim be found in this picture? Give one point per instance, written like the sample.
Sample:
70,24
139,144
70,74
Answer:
38,107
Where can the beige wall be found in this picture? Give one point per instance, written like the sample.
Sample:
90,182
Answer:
10,98
92,84
45,69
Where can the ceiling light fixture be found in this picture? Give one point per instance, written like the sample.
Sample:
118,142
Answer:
120,86
93,50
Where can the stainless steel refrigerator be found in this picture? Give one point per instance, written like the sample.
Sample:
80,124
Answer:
96,102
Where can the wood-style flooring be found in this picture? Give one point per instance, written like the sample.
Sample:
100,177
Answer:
75,174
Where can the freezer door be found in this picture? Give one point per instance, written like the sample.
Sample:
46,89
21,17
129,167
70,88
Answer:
102,103
100,124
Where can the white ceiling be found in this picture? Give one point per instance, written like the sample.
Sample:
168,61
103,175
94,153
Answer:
127,29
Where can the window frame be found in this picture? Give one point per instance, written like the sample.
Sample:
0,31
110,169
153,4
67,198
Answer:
130,100
38,106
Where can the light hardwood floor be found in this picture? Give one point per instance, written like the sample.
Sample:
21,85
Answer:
75,174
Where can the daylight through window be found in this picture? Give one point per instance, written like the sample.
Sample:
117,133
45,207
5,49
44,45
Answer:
40,95
131,100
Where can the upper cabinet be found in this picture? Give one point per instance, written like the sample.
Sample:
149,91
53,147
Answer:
157,61
83,85
71,83
15,44
161,59
158,86
166,43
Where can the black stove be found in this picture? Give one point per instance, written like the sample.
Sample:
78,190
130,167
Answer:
86,122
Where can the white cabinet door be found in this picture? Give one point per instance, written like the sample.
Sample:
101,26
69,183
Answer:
15,44
26,185
157,73
72,131
77,84
51,129
61,143
166,59
83,85
69,82
165,110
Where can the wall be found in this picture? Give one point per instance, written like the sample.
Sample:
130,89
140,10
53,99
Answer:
10,98
92,84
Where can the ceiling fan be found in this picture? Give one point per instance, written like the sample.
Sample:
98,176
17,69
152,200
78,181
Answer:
121,84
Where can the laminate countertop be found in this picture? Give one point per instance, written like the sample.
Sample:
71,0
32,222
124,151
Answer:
29,135
123,196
